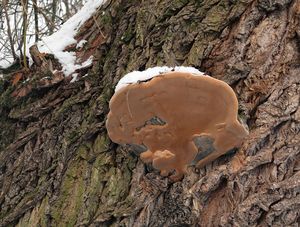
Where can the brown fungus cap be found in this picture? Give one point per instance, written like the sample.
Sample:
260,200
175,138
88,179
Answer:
187,106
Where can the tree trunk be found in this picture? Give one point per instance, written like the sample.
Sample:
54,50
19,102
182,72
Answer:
58,166
53,16
36,20
9,33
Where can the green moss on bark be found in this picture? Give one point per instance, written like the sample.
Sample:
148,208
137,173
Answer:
66,209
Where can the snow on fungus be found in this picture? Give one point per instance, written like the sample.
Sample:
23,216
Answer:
168,112
137,76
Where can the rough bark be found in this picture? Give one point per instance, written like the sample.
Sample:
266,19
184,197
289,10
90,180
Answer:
58,167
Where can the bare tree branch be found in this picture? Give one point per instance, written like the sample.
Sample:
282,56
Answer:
53,16
66,2
36,20
25,24
4,2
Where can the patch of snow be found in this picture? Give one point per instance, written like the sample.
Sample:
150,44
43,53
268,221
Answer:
1,76
80,44
74,77
25,81
64,37
46,78
189,70
84,64
88,62
69,60
136,76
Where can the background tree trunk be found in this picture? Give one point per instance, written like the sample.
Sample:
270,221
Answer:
53,16
4,6
36,19
58,167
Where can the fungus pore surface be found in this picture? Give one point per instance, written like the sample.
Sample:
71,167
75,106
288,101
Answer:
189,106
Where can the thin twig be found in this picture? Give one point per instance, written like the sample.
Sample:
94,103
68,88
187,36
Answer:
36,20
45,17
4,2
98,26
25,24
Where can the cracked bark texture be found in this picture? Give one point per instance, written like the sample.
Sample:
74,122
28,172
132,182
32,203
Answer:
59,168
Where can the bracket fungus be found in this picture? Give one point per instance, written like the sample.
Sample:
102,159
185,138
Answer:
183,106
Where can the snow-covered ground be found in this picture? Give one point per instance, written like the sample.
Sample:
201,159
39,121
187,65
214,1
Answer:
136,76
